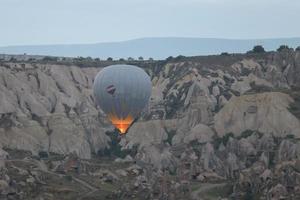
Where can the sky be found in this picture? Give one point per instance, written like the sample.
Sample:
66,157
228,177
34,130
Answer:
32,22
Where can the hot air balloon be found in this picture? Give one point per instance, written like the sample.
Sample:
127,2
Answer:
122,92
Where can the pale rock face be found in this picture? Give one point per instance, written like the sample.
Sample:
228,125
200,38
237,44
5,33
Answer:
215,90
47,107
200,104
208,158
159,86
288,150
241,86
160,157
267,174
145,133
32,138
200,132
265,112
248,64
68,139
266,142
222,101
244,84
3,157
6,99
198,112
232,164
264,158
4,187
246,148
278,192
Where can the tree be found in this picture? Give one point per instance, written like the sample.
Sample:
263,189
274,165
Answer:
169,58
141,58
224,54
97,59
258,49
122,59
109,59
298,48
130,59
283,47
151,59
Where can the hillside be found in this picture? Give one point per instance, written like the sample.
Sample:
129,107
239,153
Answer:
217,126
157,48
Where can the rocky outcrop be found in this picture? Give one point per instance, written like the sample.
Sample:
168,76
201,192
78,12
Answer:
266,112
200,133
145,134
50,108
209,120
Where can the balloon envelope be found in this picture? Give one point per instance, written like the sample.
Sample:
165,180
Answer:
122,92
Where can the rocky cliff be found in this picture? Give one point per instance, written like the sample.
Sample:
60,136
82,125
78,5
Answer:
224,118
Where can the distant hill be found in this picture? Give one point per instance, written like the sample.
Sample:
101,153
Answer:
158,48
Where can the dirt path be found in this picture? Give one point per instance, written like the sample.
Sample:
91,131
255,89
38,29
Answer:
205,187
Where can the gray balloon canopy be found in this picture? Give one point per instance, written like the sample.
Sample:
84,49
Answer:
122,92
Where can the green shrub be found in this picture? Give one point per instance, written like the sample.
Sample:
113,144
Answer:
115,149
170,137
224,139
283,48
246,133
290,136
257,49
50,58
225,54
130,59
169,58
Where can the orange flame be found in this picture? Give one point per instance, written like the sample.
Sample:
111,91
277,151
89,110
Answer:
121,124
